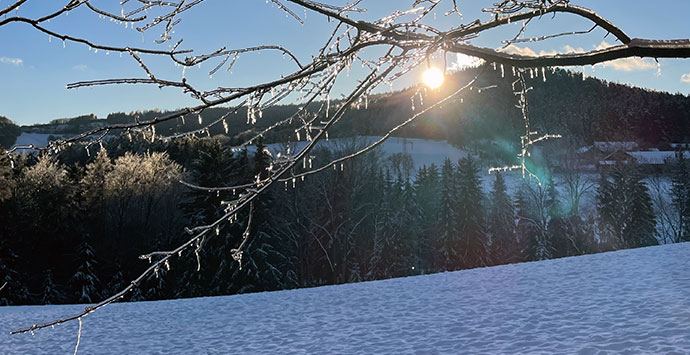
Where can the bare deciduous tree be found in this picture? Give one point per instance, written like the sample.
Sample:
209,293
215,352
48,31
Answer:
408,38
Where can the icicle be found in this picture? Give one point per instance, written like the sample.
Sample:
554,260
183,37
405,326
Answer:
200,120
658,68
543,73
584,76
76,348
237,256
225,127
412,100
63,43
50,38
217,230
342,166
502,72
198,261
167,265
293,182
328,104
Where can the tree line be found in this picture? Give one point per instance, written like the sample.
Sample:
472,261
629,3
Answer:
73,224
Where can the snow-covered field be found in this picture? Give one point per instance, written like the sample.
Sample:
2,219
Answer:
37,139
631,301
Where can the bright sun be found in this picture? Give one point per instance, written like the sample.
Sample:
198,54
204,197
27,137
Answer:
433,78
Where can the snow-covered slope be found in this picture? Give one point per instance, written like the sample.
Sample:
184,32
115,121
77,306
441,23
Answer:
634,301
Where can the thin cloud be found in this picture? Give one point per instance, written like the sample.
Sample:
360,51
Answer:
626,64
13,61
685,78
80,67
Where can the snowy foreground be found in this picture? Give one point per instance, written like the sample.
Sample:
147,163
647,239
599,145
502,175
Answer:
633,301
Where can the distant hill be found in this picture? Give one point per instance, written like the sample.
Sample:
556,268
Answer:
9,132
583,110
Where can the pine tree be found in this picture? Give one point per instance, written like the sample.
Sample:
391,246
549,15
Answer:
427,196
501,225
640,231
84,282
449,248
14,290
471,215
625,209
51,294
680,195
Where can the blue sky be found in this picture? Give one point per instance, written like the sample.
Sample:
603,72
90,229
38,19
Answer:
35,69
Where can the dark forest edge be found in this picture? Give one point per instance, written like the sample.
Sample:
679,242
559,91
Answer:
73,224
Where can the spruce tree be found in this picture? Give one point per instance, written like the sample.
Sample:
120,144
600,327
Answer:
625,209
680,195
51,294
471,215
449,245
84,282
501,225
427,196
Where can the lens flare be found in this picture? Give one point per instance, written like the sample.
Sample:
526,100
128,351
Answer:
433,78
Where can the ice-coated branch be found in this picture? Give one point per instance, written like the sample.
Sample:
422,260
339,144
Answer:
246,199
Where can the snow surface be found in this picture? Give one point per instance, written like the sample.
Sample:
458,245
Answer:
422,151
38,139
631,301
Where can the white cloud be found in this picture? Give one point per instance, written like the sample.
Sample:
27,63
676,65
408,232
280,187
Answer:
685,78
529,52
13,61
626,64
463,61
80,67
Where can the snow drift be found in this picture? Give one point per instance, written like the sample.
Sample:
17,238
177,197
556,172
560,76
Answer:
624,301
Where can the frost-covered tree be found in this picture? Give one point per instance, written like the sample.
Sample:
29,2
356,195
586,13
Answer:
625,209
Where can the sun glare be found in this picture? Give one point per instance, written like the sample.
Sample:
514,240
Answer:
433,78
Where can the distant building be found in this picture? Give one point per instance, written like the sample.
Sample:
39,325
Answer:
680,146
602,155
610,147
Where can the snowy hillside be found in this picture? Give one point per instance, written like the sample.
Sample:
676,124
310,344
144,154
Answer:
630,300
